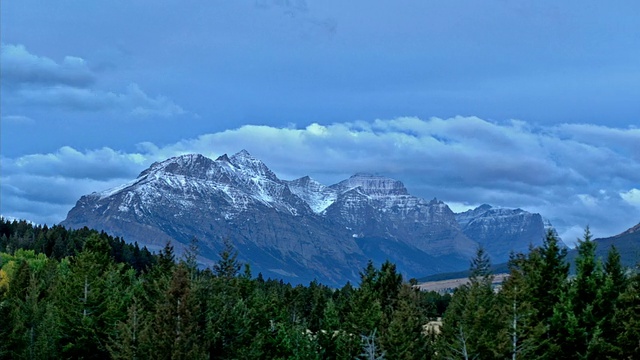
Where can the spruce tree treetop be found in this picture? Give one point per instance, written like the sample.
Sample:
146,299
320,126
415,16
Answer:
550,271
480,267
615,272
228,266
166,258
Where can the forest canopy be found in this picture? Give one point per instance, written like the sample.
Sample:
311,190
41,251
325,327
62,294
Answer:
84,294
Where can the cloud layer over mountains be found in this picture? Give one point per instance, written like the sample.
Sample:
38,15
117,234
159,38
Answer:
99,90
576,175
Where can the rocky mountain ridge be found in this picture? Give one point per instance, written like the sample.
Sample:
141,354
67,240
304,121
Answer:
299,229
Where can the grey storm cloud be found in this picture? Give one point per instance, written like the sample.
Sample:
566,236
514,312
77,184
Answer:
133,101
101,164
19,67
40,81
43,187
45,199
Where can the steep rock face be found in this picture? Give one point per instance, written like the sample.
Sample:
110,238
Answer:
632,231
236,197
372,186
501,231
371,206
382,208
627,243
297,230
317,196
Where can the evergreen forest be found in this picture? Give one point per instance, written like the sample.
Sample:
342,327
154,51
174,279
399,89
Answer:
83,294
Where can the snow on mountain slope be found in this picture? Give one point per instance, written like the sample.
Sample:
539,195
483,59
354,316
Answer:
316,195
372,185
240,181
301,227
501,231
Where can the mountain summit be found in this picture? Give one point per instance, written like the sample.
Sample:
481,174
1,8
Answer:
299,230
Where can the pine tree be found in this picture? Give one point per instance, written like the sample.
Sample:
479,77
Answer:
230,326
586,298
366,308
627,320
387,286
480,268
31,321
405,337
85,297
547,272
605,344
172,332
166,259
332,339
518,313
544,273
289,341
563,335
190,257
471,326
346,339
615,273
126,342
228,266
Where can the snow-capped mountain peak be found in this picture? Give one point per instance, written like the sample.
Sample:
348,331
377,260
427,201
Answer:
192,165
501,230
316,195
233,183
299,226
252,166
372,185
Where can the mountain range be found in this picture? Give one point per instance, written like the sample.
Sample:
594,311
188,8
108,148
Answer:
300,230
627,243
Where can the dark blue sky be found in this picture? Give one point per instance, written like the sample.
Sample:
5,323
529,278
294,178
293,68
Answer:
101,89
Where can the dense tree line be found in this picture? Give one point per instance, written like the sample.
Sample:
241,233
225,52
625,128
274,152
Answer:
100,298
541,312
58,243
95,303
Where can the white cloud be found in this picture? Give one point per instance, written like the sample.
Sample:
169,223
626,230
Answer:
588,200
632,197
316,129
574,180
468,151
457,207
571,235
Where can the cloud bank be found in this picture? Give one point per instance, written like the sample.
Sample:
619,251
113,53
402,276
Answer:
32,80
576,175
19,67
